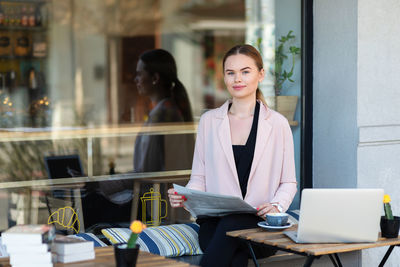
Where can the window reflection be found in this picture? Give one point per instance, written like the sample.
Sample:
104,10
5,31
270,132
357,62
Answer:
156,78
71,83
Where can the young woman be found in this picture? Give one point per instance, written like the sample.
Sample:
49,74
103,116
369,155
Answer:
243,149
156,77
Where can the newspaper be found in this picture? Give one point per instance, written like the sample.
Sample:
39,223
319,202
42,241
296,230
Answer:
200,203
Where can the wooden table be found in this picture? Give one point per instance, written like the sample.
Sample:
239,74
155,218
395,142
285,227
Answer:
105,258
280,241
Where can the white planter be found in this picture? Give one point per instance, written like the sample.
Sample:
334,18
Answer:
284,104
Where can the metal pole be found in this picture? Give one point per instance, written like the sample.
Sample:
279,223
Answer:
252,254
386,256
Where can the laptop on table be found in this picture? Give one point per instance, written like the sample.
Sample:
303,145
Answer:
64,166
338,216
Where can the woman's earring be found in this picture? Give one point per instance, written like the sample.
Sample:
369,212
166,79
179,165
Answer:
154,82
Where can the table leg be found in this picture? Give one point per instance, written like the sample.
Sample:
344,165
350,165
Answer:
78,208
309,261
338,260
386,256
333,260
90,156
27,206
135,201
34,207
252,254
156,207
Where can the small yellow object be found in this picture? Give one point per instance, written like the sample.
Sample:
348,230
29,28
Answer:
386,199
152,201
65,217
137,227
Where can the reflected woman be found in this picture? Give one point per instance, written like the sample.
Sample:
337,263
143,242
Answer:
157,78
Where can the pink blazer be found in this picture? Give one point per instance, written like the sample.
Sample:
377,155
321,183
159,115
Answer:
272,177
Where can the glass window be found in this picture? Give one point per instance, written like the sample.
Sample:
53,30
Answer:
78,80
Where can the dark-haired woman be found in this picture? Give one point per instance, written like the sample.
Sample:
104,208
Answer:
243,149
156,77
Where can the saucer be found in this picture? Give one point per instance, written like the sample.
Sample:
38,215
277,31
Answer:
265,225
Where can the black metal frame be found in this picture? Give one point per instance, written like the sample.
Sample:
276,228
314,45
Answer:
387,254
310,258
334,257
306,94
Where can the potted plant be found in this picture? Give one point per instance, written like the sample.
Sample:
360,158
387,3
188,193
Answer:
126,253
286,105
389,224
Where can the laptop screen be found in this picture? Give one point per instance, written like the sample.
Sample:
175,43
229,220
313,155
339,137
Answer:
63,166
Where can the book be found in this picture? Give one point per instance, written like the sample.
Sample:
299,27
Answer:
200,203
64,245
22,248
34,265
29,234
74,257
30,258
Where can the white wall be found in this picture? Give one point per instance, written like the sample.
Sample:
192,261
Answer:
77,49
378,160
61,77
335,131
356,100
90,53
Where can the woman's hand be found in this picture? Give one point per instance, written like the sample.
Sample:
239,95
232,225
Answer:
266,208
174,199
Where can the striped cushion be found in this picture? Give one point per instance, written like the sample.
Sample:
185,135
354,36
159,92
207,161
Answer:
169,241
90,237
294,216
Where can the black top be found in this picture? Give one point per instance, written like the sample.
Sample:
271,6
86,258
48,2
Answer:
244,153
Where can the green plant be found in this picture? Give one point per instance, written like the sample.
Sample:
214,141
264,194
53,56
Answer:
281,54
387,207
136,227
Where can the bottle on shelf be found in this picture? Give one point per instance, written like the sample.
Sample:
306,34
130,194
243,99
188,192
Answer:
39,46
11,16
38,16
6,16
32,82
111,165
17,16
1,16
3,82
24,16
22,44
5,44
12,81
31,16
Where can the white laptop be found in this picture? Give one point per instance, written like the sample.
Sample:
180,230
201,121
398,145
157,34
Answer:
339,216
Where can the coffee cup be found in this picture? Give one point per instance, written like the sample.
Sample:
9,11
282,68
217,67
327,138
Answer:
277,219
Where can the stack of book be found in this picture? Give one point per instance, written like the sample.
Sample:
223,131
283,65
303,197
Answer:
27,245
71,249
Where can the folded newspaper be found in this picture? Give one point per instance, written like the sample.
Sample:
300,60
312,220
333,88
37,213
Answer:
200,203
